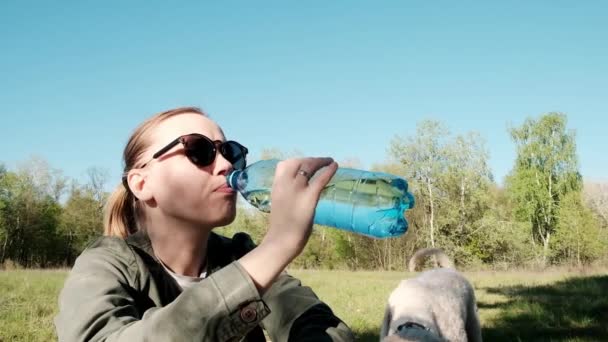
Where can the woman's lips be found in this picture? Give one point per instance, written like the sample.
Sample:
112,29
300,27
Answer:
225,189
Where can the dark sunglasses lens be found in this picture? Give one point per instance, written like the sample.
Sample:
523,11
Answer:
235,154
200,150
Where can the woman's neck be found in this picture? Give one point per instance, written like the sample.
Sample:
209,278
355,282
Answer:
180,246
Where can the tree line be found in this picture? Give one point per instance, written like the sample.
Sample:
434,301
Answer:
544,214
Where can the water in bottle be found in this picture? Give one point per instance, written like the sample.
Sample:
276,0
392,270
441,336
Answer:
363,202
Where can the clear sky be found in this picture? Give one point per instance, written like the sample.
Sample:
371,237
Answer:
337,78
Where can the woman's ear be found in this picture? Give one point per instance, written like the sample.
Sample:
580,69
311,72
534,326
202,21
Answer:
136,178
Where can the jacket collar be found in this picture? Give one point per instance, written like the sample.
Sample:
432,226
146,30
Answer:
218,251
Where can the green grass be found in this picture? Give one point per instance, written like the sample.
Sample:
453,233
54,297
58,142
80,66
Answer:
28,302
514,306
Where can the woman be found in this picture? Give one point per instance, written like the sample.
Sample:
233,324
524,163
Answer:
162,274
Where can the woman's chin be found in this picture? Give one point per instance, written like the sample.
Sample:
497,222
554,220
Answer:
225,219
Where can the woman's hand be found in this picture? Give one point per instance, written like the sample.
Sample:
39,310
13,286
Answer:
294,198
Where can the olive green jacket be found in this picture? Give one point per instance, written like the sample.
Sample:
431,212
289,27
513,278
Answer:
118,291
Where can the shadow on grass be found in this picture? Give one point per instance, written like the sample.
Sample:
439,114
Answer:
368,336
571,310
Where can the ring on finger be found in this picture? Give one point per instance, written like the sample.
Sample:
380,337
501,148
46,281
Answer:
304,173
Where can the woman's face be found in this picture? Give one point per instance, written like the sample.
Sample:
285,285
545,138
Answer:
181,189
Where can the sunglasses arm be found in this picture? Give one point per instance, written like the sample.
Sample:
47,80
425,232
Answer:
166,148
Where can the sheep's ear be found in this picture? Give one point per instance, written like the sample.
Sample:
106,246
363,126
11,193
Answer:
386,322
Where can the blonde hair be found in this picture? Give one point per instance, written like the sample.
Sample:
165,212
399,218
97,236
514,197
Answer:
122,209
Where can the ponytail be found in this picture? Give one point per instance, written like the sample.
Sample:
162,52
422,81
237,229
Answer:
119,218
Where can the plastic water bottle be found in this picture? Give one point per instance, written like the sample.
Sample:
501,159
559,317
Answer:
363,202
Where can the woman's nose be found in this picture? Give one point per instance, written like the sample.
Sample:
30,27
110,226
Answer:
222,166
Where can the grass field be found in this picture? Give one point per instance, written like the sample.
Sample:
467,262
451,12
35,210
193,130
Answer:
514,306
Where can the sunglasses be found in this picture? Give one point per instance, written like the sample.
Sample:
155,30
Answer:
201,151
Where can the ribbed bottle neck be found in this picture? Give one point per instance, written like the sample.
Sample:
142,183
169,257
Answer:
232,179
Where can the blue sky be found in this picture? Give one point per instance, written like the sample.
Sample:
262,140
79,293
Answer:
337,78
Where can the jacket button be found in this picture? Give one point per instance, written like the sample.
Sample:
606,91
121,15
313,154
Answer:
248,314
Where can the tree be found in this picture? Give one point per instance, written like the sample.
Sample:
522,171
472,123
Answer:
497,239
29,217
596,198
467,182
81,220
468,172
43,177
351,162
577,236
3,212
97,179
276,153
545,171
423,157
450,178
